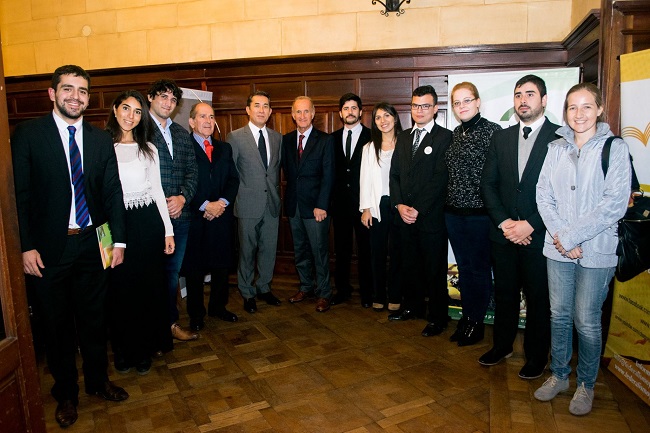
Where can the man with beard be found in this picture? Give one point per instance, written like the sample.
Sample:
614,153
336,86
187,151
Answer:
67,185
179,176
348,144
508,186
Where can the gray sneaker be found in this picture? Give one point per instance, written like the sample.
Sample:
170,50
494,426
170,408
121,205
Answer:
581,401
552,387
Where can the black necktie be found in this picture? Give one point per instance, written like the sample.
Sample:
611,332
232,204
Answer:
348,145
416,143
261,146
527,130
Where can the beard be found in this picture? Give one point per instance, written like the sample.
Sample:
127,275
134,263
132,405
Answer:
350,120
531,115
71,114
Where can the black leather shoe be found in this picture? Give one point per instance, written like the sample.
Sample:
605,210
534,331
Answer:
197,324
460,329
433,328
66,413
227,316
473,333
143,367
250,306
269,298
339,298
121,364
403,315
110,392
531,370
494,356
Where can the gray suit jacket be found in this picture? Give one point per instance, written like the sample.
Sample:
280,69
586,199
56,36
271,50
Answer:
257,186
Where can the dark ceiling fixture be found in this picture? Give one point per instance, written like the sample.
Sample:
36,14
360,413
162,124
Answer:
391,6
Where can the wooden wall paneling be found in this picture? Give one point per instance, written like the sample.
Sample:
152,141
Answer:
582,46
374,76
625,28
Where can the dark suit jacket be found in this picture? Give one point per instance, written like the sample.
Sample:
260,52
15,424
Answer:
310,180
177,175
346,184
503,194
421,182
209,243
44,192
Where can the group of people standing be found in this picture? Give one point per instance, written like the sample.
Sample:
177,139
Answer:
539,220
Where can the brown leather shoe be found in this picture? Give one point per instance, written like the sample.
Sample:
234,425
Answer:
111,392
181,334
322,305
66,413
298,297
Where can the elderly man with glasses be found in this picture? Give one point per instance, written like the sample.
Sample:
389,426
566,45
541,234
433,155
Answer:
418,187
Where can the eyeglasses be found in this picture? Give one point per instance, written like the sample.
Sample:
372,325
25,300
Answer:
423,107
465,101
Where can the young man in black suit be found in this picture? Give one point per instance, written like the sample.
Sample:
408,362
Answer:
418,187
348,144
308,164
508,186
67,185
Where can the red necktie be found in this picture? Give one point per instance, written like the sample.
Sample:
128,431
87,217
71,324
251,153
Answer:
208,149
300,148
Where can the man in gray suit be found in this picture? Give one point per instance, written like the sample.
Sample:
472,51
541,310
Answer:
256,151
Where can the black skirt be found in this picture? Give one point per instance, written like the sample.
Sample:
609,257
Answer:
138,299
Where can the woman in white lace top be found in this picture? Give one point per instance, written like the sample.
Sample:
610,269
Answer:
137,298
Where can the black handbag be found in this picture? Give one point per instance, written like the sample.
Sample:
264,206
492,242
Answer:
633,248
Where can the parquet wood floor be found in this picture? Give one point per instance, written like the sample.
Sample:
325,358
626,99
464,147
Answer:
290,369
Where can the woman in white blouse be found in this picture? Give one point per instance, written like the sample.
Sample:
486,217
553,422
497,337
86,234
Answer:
138,302
374,203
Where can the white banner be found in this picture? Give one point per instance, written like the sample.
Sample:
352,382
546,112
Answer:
496,90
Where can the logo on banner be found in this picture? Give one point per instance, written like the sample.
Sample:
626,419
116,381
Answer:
634,132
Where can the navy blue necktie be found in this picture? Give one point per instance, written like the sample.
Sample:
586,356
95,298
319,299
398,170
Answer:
81,207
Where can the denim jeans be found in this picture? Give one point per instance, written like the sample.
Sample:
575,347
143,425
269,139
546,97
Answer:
469,238
173,265
577,295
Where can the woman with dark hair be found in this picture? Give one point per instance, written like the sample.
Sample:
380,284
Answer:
374,202
580,206
138,300
468,224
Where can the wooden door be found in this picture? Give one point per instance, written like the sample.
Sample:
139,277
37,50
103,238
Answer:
20,397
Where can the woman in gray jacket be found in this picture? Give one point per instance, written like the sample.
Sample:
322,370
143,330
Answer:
580,208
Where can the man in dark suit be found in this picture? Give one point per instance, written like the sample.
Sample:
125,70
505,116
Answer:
209,245
256,151
418,186
308,164
348,144
510,175
67,185
178,173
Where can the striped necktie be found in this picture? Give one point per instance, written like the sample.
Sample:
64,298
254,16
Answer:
82,216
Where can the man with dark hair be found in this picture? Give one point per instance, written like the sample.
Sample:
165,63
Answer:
308,164
348,144
508,186
418,188
256,152
209,246
179,176
67,185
